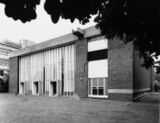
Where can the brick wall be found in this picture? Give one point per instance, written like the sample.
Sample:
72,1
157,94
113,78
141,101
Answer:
120,69
142,76
81,75
13,75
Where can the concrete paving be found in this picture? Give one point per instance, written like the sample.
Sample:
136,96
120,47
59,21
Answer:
44,109
152,98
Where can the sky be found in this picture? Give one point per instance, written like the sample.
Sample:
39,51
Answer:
38,30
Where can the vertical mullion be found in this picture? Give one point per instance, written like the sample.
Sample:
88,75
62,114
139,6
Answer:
104,88
91,86
69,69
97,86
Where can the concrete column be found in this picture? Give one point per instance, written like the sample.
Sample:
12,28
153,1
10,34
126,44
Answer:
81,74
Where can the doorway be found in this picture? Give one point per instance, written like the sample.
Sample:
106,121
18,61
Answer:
36,88
53,88
22,90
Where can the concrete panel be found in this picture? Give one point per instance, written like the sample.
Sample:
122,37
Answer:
13,75
120,96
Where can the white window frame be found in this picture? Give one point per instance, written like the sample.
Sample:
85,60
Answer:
90,94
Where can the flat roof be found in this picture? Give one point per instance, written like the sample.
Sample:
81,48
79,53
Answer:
62,40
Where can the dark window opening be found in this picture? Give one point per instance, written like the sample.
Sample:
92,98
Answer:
101,91
97,55
94,91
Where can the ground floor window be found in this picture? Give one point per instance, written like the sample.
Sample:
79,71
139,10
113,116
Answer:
97,87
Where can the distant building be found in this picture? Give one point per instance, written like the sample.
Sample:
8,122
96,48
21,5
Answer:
5,48
81,63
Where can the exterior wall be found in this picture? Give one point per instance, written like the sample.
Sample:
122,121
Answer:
81,75
125,74
13,75
38,71
142,77
120,70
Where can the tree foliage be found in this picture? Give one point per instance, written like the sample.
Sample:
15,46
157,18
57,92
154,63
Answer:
133,20
130,20
25,10
158,70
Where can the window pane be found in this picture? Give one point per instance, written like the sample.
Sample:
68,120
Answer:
98,45
100,82
101,91
94,82
98,69
94,91
89,86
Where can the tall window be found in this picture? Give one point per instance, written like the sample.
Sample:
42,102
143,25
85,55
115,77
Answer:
97,68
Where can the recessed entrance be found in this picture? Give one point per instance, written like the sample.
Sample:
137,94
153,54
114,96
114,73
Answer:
53,88
36,88
22,90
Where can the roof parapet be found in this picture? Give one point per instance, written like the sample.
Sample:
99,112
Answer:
79,33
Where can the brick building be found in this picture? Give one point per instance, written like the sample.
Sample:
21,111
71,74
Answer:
82,63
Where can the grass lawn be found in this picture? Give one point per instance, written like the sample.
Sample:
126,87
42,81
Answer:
44,109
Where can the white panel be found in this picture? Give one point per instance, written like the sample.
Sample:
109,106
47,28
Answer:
48,69
65,70
98,45
20,72
55,64
98,68
74,63
69,68
51,64
72,67
31,67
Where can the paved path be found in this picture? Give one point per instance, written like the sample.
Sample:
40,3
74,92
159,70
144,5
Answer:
152,98
44,109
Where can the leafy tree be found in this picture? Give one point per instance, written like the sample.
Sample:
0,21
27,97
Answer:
130,20
133,20
158,69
